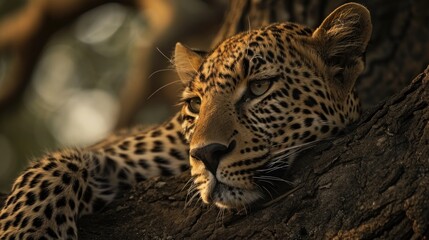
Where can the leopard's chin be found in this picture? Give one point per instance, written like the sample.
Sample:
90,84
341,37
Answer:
229,197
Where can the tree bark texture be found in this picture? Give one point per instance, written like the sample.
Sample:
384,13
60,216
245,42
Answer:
372,182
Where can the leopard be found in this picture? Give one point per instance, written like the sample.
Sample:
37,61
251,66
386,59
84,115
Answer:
247,107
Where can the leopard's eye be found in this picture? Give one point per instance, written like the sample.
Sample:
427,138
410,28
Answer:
194,105
259,87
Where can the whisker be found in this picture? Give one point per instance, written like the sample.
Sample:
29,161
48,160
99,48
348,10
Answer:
279,198
200,202
283,156
169,59
162,87
191,199
266,190
266,181
190,180
160,70
272,169
244,209
192,189
272,178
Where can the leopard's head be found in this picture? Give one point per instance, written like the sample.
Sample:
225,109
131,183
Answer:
259,95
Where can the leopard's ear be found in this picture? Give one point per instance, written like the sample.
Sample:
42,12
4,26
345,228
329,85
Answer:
341,41
187,61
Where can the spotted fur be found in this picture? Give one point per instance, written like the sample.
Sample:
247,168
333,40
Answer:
247,106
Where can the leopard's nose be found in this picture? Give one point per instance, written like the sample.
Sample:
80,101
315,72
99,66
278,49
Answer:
211,154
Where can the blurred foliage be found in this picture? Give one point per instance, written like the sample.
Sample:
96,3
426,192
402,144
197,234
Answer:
7,7
73,99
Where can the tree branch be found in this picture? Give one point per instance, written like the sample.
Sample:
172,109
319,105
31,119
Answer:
370,183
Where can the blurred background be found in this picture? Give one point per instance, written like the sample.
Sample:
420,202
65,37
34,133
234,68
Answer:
66,70
72,71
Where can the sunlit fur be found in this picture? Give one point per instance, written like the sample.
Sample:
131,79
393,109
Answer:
304,103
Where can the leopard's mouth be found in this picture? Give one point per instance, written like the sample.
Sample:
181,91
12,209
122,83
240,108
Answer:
219,190
229,197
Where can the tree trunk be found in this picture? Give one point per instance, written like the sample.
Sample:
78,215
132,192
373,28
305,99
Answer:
373,182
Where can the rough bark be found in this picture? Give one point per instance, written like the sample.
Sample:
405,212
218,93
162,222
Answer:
372,182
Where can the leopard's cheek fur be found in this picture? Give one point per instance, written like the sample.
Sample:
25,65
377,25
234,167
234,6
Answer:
211,190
